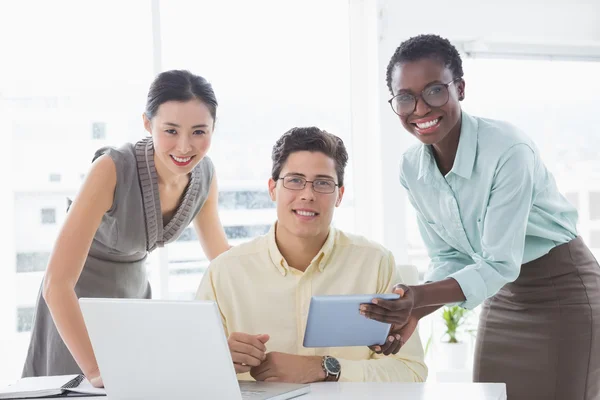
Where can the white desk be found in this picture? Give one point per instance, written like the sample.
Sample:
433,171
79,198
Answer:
404,391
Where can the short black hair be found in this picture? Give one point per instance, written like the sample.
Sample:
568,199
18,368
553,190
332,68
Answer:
180,85
426,46
310,139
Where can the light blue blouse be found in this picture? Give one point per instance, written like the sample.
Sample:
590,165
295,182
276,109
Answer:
499,207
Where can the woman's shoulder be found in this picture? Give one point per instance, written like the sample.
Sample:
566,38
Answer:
498,136
205,165
124,158
123,154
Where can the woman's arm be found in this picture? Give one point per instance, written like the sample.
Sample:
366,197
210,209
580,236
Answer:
208,225
415,301
437,294
68,258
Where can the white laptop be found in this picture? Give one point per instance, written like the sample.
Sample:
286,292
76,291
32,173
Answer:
151,349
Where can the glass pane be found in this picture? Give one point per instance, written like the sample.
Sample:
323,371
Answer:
54,177
573,199
48,216
80,83
595,205
279,74
595,240
32,261
25,318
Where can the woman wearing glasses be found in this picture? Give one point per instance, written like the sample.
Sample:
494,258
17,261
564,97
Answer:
134,199
498,232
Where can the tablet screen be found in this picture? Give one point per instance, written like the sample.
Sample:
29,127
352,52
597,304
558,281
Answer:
335,321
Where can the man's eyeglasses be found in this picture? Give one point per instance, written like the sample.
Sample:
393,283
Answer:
325,186
434,95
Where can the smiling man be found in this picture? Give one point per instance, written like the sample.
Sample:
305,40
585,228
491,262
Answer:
263,287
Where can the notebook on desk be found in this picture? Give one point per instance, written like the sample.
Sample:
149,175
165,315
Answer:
50,386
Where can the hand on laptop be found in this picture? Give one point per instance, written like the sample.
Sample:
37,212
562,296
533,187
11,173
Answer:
291,368
95,379
247,351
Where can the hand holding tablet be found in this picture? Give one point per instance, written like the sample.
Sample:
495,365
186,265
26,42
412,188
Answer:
335,321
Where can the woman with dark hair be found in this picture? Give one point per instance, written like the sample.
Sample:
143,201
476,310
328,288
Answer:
498,232
134,199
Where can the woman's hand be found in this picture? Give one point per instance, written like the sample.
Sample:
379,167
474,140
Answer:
95,379
415,302
395,312
397,338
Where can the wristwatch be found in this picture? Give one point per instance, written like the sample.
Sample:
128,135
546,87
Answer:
332,368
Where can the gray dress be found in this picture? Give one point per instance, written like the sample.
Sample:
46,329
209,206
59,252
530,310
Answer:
115,265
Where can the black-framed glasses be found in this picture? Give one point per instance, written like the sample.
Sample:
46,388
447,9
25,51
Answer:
434,95
325,186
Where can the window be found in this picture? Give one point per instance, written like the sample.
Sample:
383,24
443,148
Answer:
98,130
595,205
48,216
244,232
595,240
259,100
187,235
57,112
232,232
54,177
25,318
573,199
317,58
32,262
245,199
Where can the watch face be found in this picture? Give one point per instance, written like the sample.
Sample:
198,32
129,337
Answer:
332,365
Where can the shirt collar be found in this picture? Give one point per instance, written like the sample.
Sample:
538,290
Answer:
467,147
320,258
465,154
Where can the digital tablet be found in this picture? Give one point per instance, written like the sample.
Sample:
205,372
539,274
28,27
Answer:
335,321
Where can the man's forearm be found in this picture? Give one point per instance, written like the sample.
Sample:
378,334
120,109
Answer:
437,294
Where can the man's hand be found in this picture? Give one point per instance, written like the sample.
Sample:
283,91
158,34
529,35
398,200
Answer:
397,338
394,312
283,367
247,351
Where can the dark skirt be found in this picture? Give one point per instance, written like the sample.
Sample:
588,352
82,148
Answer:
541,334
